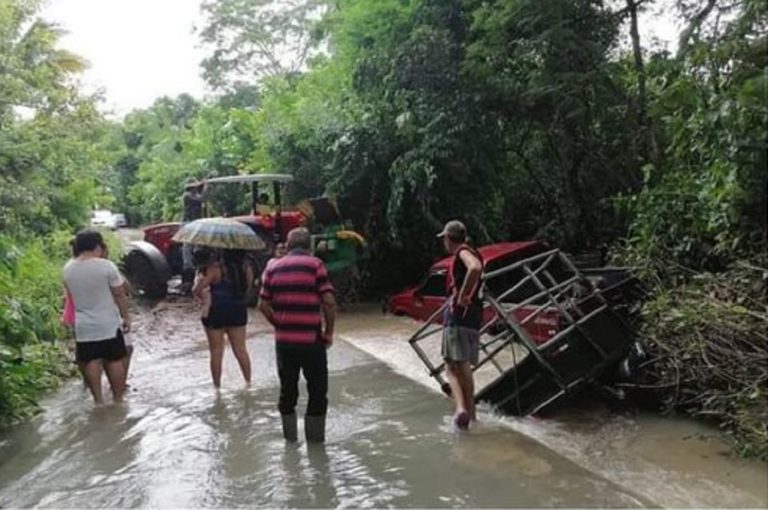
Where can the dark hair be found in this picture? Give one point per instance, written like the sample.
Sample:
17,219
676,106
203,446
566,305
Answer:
73,247
234,268
203,256
87,240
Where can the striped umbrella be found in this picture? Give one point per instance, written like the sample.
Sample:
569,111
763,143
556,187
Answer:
219,233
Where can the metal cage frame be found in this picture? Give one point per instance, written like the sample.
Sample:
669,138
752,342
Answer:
597,334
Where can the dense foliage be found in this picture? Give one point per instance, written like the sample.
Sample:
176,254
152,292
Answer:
50,163
697,227
525,118
31,358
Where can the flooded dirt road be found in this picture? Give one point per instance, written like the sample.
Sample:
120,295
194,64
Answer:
176,442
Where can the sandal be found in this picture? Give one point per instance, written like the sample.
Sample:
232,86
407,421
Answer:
462,420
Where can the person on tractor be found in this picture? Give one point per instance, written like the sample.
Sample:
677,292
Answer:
462,321
263,207
193,200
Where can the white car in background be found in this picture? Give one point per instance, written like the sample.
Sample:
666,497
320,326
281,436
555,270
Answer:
120,220
103,218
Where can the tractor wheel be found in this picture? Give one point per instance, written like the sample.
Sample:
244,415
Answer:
144,279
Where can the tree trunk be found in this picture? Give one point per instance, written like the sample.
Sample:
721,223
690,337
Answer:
651,151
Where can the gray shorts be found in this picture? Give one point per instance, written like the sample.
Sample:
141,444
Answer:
461,344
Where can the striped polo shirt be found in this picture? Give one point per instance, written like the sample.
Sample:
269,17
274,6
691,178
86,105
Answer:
293,285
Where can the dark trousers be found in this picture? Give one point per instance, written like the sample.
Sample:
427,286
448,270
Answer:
312,361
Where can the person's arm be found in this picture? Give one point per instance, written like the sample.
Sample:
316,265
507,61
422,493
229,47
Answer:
121,300
265,297
474,271
201,192
211,273
265,307
327,302
120,295
329,316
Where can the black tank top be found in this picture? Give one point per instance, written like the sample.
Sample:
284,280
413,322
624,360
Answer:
470,316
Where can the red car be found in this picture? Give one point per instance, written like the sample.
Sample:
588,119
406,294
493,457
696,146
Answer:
422,301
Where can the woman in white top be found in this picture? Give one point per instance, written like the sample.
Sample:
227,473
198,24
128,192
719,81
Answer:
101,314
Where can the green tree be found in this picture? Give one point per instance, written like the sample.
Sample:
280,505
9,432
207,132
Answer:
156,150
255,39
48,165
707,203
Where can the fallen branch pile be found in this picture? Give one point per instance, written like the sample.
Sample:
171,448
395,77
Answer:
708,351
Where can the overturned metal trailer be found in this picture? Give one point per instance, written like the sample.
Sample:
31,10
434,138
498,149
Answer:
590,332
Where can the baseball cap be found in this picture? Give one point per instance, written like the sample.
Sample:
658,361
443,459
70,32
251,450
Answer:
454,230
191,183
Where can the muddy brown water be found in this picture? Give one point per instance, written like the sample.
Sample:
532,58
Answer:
178,443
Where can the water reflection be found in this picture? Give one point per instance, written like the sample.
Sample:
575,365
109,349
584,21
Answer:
324,493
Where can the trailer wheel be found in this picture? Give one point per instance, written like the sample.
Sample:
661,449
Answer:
144,277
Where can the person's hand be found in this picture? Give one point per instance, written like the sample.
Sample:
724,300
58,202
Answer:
327,339
126,324
465,300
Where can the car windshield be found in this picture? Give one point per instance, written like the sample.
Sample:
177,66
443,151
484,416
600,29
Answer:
434,284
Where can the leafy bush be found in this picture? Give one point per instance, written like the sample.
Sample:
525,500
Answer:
697,229
32,359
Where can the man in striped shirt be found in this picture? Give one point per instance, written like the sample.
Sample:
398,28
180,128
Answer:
298,299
